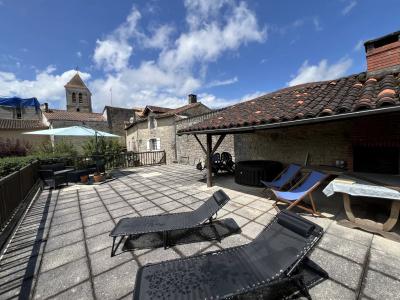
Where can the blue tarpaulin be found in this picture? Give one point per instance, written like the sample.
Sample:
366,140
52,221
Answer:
19,102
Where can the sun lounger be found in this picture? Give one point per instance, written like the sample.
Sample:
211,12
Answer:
284,178
275,255
168,222
300,191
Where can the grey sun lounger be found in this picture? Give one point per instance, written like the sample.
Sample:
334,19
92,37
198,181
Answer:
167,222
277,254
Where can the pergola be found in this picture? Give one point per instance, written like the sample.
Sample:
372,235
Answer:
209,149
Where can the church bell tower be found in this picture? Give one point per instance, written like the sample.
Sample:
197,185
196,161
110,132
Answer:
79,98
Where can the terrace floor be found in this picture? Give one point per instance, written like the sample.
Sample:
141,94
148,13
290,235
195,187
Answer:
62,247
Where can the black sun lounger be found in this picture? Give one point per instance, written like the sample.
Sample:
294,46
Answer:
168,222
277,254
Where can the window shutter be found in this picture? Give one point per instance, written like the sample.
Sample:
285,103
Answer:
158,144
148,144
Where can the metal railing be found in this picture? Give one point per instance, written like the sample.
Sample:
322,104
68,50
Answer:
117,160
15,191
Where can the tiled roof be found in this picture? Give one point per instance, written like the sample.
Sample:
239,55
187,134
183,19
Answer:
179,110
156,109
10,124
76,81
312,100
55,114
171,112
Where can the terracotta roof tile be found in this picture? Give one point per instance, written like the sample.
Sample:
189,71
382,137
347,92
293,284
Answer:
311,100
169,113
73,116
11,124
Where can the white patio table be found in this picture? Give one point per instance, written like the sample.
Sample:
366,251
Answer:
384,187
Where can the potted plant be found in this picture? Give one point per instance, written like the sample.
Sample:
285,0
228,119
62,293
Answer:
84,178
97,177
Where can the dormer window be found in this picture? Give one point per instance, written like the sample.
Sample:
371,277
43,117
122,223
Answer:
73,98
152,122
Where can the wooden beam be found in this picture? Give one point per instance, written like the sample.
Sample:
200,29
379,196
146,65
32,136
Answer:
208,153
221,138
201,145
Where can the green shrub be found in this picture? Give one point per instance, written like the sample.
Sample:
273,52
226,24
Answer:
61,149
104,146
14,163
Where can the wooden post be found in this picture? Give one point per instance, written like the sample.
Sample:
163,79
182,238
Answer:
209,170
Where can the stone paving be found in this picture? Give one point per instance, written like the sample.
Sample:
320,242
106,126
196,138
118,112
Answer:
62,247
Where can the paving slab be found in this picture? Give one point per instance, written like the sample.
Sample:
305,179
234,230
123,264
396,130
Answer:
117,282
48,255
61,279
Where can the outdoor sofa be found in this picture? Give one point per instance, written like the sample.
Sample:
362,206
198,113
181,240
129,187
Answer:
54,174
167,222
276,255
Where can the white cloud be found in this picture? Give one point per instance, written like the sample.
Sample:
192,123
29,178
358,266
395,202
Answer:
321,71
214,27
215,83
160,38
79,54
218,102
317,24
112,55
113,52
177,67
349,6
46,86
359,46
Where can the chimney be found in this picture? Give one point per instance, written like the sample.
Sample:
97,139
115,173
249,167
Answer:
383,52
192,98
45,107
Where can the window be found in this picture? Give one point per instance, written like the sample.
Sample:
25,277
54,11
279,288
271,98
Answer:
19,112
80,98
152,122
73,98
153,144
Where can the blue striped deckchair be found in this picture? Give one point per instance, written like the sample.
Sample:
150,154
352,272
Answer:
300,191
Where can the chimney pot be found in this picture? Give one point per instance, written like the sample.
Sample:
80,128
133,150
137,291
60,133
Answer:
192,98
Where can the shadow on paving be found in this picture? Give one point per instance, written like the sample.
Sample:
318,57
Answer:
222,228
20,261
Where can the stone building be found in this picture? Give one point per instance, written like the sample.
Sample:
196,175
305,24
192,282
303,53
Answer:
79,112
17,116
79,98
188,149
353,120
155,128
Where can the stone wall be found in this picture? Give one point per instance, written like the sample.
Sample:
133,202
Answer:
139,134
28,113
79,141
16,135
323,142
116,118
188,149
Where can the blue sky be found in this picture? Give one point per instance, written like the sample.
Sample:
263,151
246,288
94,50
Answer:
157,52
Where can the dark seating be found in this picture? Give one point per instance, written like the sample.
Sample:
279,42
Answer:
167,222
277,254
227,163
54,174
222,162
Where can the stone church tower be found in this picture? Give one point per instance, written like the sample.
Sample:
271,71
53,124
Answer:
78,95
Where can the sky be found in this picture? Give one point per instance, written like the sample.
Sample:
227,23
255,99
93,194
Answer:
158,52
